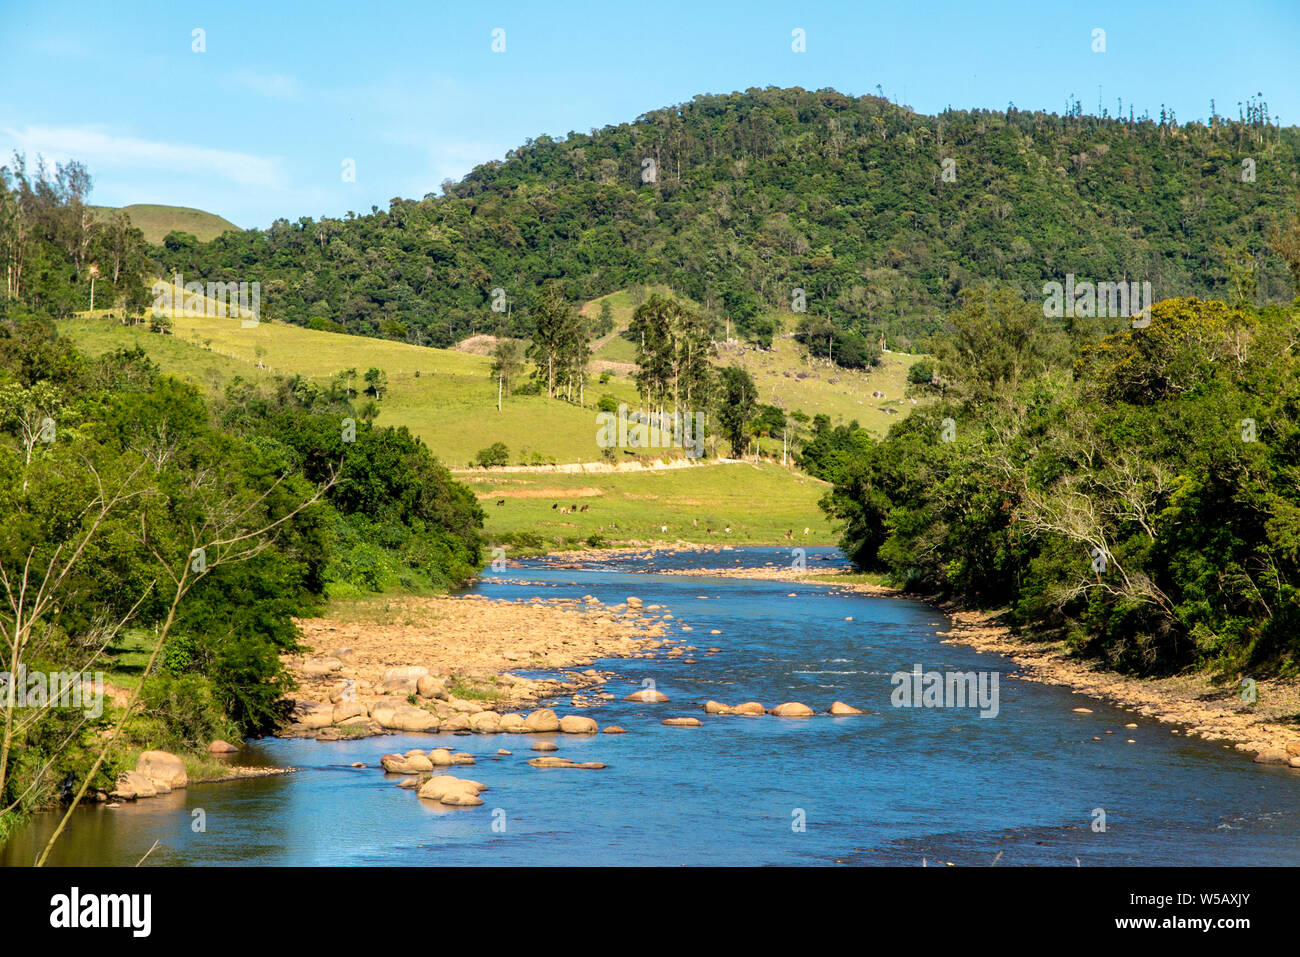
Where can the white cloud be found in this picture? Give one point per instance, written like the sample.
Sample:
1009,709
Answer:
98,149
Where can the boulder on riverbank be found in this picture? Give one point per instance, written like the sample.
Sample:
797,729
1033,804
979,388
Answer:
1273,756
402,680
132,785
221,747
313,715
320,667
349,712
156,772
427,686
163,767
410,718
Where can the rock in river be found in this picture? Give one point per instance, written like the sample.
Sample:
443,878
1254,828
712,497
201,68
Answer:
403,764
647,696
542,720
577,724
792,709
485,722
554,762
452,791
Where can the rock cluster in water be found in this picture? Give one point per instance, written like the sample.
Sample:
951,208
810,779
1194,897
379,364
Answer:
790,709
458,792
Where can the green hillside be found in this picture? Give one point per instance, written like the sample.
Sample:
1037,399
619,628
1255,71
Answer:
879,214
157,221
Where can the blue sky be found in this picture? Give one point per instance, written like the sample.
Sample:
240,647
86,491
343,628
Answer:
259,125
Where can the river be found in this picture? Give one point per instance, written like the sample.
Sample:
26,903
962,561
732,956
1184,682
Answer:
896,785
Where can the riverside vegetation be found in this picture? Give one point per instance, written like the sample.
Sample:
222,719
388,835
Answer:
170,542
1136,493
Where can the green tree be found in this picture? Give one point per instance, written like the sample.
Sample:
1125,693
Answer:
376,383
737,401
494,455
605,319
559,347
506,362
998,341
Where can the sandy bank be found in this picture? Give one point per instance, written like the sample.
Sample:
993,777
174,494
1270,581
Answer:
428,663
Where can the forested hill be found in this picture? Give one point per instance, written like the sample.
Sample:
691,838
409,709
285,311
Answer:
753,195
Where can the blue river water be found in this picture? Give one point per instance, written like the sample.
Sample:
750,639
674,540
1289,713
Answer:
894,786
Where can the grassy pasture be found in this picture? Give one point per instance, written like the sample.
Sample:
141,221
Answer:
448,397
635,505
